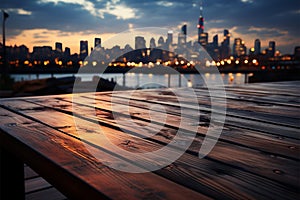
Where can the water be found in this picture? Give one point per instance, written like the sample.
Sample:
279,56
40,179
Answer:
135,80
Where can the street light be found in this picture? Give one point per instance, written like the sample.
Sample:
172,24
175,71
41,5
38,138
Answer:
5,16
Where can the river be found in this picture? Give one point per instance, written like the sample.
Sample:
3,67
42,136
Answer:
135,80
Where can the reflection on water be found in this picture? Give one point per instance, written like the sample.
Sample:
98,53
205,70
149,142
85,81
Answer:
138,80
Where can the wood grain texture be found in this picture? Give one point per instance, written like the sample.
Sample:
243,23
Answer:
64,160
257,155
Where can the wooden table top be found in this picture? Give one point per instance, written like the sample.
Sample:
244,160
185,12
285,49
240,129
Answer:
256,156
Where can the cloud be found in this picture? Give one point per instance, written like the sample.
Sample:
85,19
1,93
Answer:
41,42
18,11
113,7
268,32
250,19
86,5
165,3
247,1
120,10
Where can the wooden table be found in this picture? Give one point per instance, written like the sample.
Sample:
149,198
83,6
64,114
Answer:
256,157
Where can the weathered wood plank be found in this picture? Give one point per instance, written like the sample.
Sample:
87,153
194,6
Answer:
29,173
246,138
162,97
77,164
252,170
240,153
47,194
231,118
35,184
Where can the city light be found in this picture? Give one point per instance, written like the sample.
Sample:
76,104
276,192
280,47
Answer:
221,54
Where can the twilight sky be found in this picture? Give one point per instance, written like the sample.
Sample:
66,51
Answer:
44,22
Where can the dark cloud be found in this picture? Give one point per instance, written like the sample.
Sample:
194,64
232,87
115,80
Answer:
41,42
269,15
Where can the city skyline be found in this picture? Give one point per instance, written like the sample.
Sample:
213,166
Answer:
105,22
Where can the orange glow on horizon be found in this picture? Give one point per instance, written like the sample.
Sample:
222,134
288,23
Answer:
49,37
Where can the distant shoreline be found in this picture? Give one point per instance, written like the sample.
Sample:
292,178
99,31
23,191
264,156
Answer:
154,70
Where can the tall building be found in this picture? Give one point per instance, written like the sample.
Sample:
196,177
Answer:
216,40
58,47
202,36
97,42
67,51
161,42
140,42
239,48
169,41
297,53
213,48
225,45
182,36
271,49
152,43
257,47
83,49
42,53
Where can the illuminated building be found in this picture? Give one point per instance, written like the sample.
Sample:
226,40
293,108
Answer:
213,48
41,54
225,46
16,53
83,49
202,36
97,42
140,42
58,47
239,48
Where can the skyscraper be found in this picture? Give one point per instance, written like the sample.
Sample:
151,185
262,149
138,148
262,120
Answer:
202,36
83,49
216,41
182,36
225,46
67,51
213,48
67,54
97,42
169,41
58,47
140,42
257,47
239,48
161,42
272,48
152,43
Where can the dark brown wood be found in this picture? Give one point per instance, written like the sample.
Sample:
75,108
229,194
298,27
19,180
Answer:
69,162
256,157
242,157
